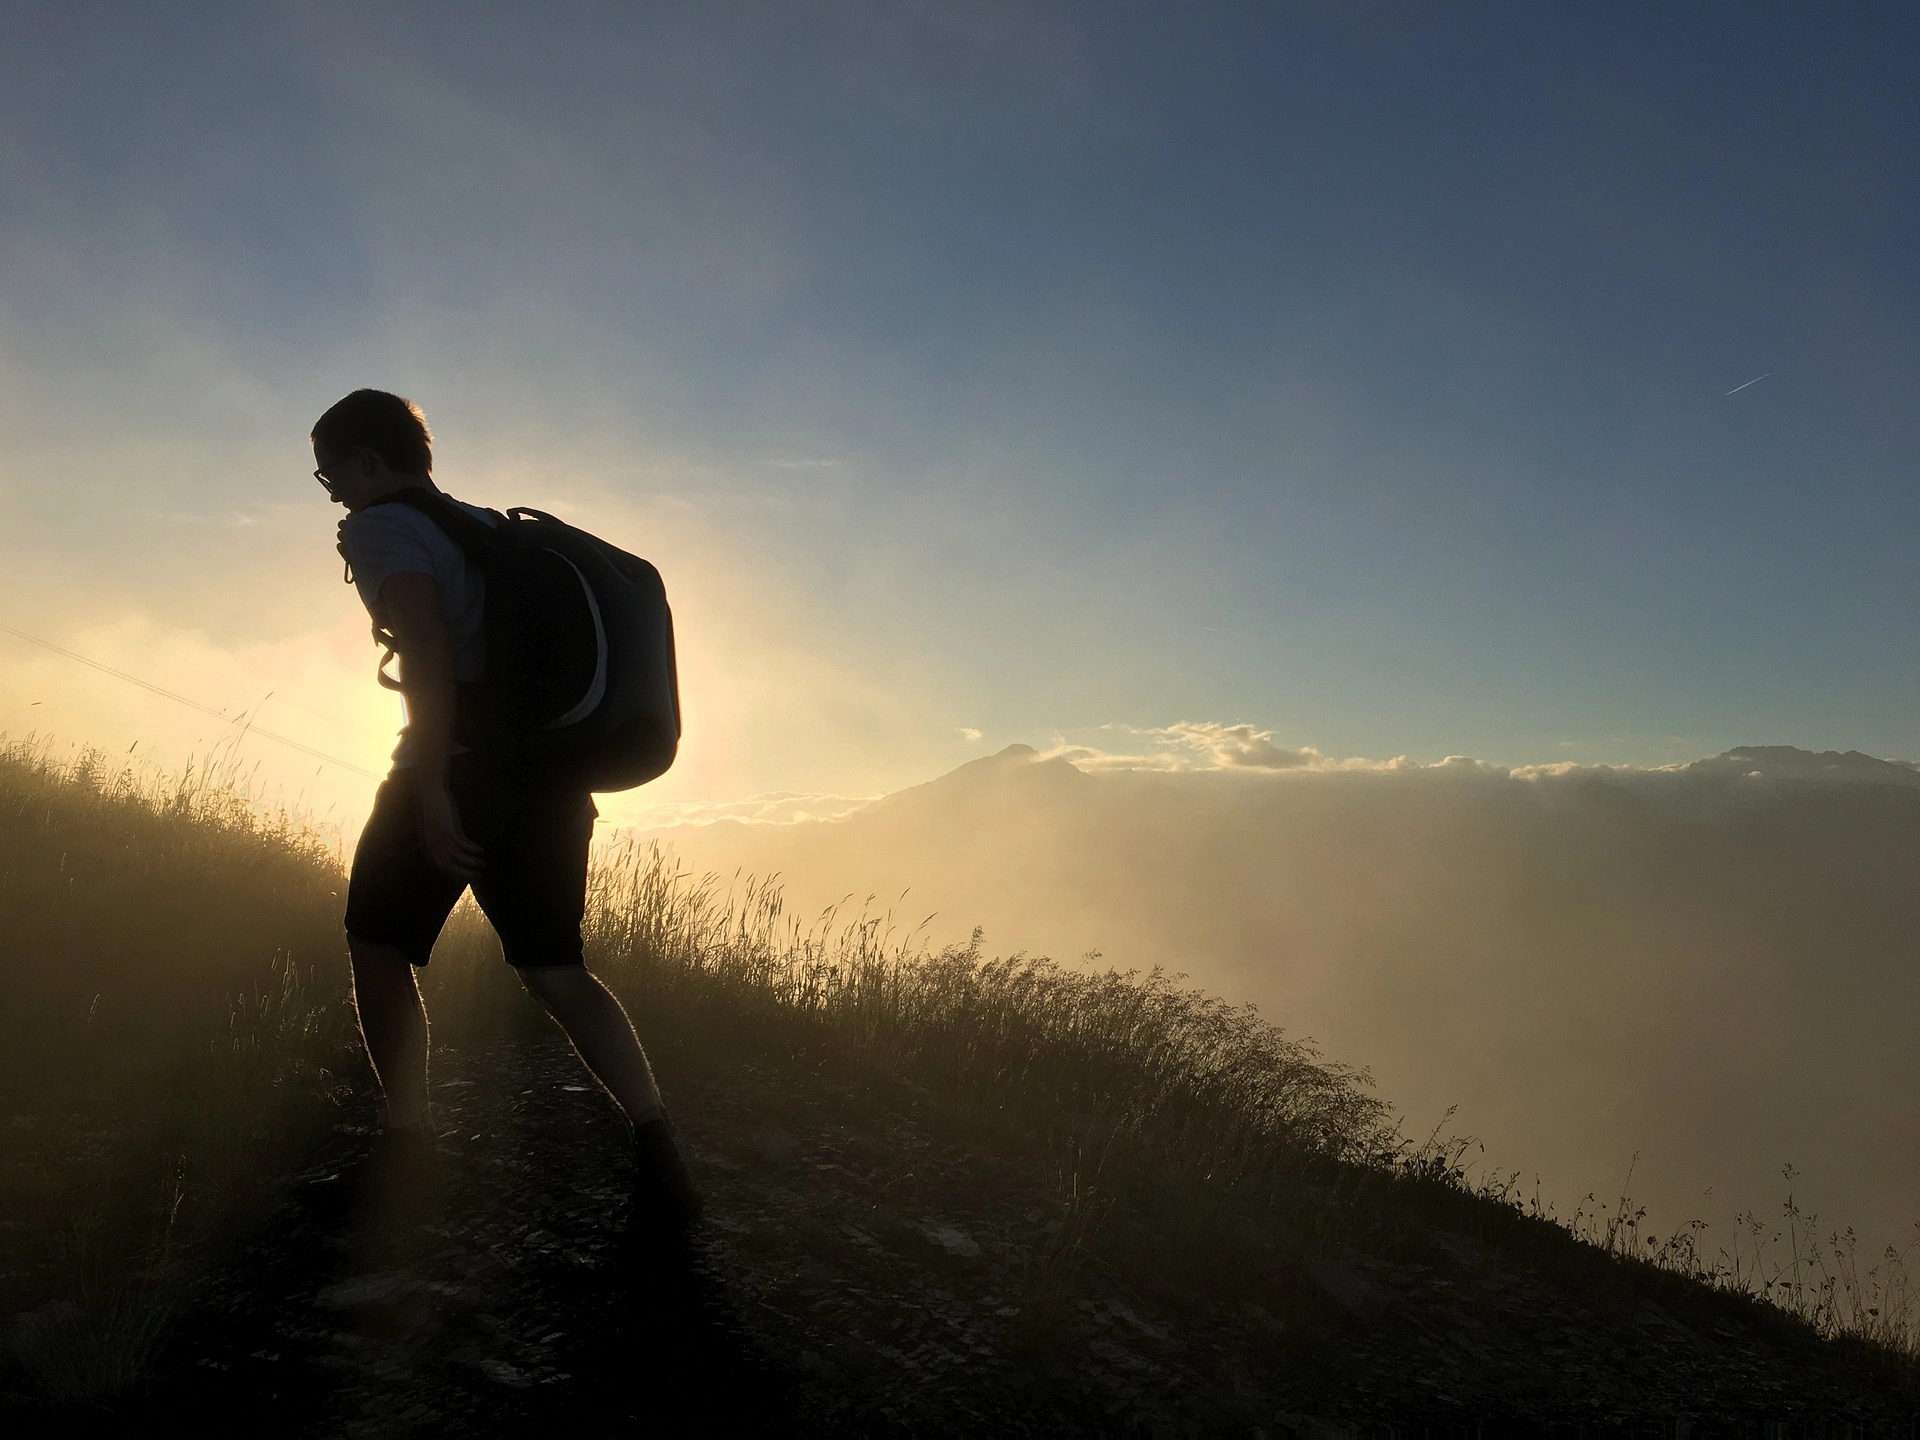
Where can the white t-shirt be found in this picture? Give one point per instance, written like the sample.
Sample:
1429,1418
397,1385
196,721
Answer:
396,539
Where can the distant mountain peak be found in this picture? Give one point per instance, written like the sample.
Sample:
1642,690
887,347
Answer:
1789,762
1016,770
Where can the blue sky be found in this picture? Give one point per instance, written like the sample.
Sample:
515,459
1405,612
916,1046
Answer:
1358,371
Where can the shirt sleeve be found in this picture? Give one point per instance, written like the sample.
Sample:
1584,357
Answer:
381,542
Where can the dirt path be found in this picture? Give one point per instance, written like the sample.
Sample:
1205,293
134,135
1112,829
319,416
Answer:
839,1285
836,1286
866,1269
491,1285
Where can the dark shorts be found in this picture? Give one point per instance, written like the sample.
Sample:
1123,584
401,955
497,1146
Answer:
533,888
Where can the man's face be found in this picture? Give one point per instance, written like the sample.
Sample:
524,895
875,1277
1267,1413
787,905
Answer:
351,477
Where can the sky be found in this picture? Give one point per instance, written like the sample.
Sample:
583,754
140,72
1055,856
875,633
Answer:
1367,374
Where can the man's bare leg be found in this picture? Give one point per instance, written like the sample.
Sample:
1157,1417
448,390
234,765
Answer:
601,1033
393,1022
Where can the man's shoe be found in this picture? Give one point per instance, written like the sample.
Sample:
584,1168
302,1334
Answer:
663,1192
399,1165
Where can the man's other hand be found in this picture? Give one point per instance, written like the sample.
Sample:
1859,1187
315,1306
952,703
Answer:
446,843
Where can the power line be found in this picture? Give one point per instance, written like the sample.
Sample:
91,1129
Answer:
180,699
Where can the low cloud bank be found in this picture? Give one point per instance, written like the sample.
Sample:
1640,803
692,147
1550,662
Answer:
1190,745
1711,965
779,807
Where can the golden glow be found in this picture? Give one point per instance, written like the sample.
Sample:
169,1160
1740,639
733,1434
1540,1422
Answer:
768,706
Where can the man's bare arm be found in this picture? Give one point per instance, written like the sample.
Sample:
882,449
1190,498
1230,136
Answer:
415,616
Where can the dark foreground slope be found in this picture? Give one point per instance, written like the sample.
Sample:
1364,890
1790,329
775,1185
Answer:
945,1197
870,1267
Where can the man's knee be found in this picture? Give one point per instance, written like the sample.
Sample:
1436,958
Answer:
376,962
545,980
552,984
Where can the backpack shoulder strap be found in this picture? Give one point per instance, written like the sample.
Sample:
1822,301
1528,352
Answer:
474,536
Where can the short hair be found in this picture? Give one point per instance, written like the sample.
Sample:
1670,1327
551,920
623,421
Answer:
389,425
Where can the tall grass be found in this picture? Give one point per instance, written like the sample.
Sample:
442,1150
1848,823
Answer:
174,1022
1118,1086
1817,1275
1151,1080
1219,1090
134,902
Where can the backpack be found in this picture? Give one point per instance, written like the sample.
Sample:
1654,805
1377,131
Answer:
580,678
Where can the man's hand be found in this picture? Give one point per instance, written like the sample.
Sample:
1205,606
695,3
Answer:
446,843
419,626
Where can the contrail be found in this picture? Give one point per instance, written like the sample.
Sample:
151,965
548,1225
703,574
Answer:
190,704
1754,381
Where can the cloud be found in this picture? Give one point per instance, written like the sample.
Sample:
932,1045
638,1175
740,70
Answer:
968,733
782,807
1238,746
1192,745
1734,782
1198,746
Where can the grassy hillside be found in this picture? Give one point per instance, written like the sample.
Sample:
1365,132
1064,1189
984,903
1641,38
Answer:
1710,966
1144,1207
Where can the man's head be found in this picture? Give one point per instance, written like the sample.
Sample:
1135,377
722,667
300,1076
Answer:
371,444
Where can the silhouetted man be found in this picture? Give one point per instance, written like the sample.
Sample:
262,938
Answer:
449,815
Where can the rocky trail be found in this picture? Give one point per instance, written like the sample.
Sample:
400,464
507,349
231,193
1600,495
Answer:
867,1267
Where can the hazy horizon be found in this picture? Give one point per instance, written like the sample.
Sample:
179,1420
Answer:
1708,966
